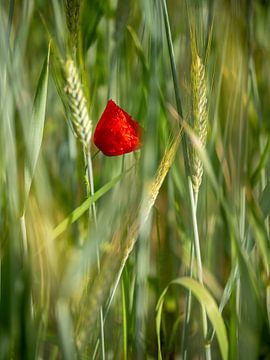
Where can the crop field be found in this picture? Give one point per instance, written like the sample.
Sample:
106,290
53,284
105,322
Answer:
135,179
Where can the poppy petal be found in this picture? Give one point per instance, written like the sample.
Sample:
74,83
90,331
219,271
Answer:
116,132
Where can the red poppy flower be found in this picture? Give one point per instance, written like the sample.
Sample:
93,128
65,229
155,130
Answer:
116,132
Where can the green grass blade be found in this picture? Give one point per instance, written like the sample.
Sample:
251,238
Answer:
158,320
36,126
264,201
80,210
175,79
138,47
255,177
206,300
89,25
257,225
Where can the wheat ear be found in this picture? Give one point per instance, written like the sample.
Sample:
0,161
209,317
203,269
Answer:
77,103
200,115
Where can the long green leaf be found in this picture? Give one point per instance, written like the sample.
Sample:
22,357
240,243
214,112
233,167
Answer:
138,47
257,172
265,201
206,300
34,132
80,210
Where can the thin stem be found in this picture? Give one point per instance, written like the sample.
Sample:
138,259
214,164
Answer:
24,235
93,215
92,193
191,275
124,320
189,296
199,261
196,232
122,266
187,308
114,290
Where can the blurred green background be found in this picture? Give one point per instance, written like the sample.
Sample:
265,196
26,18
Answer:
49,284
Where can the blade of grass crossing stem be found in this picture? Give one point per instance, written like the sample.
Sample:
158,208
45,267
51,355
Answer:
80,210
207,301
34,133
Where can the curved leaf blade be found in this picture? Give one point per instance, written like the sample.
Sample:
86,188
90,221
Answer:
34,135
80,210
205,299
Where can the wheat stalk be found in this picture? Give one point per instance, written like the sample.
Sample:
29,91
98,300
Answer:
77,103
200,121
200,115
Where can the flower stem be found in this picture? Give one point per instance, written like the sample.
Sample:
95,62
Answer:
93,211
93,215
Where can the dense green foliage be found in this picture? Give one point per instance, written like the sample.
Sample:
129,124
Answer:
135,264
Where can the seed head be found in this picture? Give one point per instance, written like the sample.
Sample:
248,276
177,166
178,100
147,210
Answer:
77,103
200,115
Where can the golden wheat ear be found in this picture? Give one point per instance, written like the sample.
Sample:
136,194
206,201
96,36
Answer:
199,112
77,103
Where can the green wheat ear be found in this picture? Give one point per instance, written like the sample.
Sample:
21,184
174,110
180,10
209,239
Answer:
199,112
77,103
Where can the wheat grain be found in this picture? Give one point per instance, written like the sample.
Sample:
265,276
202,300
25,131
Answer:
200,115
77,103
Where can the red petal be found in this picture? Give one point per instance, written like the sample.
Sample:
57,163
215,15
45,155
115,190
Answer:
116,132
